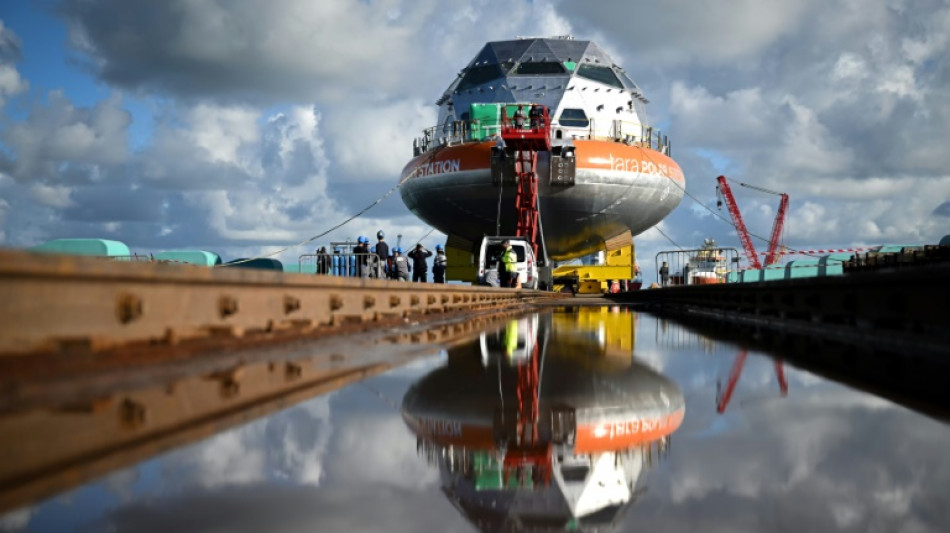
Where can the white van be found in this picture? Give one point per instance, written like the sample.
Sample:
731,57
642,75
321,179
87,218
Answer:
489,256
512,344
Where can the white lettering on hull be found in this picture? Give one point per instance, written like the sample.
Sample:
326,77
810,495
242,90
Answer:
437,167
631,164
433,427
612,430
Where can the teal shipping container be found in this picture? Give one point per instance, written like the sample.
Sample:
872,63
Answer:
95,247
772,273
194,257
260,263
305,268
832,264
750,276
801,268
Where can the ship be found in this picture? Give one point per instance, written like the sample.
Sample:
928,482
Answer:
567,453
608,173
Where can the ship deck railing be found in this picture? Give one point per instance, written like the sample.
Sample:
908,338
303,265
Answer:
626,132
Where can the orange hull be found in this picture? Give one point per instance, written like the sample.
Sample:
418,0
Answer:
589,438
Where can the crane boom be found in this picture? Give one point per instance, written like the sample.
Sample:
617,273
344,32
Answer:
774,253
724,395
744,238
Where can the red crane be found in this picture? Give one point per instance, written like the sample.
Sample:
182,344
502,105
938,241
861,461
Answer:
775,250
526,143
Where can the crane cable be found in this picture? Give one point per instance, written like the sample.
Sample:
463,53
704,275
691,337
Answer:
717,214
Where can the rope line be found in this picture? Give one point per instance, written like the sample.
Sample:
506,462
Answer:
338,226
668,237
431,229
501,185
385,399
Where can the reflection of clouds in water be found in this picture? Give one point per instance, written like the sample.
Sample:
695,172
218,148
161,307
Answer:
834,459
418,367
121,483
652,358
226,459
16,520
291,509
297,442
825,457
289,445
377,449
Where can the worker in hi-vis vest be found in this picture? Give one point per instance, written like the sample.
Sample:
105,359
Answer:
508,276
511,338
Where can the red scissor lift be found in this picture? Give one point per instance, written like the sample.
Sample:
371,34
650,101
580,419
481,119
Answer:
525,143
528,455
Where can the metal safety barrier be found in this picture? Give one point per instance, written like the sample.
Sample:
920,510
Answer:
353,265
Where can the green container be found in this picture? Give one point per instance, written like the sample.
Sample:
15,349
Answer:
486,120
488,480
193,257
95,247
488,472
732,277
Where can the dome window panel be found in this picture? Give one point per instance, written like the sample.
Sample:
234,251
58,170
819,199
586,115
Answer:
574,118
603,75
476,76
540,68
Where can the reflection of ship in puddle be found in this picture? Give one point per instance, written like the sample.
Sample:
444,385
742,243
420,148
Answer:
546,424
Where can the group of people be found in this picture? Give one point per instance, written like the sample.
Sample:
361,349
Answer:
535,116
379,261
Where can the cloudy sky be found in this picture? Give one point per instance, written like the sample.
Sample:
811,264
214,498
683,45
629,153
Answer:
244,126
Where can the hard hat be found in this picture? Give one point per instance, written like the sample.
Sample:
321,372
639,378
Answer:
398,250
372,249
438,247
362,239
380,234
